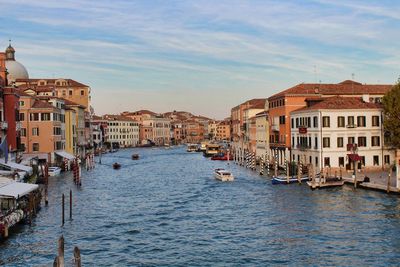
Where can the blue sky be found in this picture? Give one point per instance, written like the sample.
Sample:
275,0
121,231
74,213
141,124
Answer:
201,56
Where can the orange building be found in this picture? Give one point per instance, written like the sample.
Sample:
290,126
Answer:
281,104
194,131
42,124
223,131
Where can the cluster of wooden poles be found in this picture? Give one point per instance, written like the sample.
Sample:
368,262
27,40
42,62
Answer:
59,260
270,163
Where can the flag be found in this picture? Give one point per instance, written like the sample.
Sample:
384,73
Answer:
4,148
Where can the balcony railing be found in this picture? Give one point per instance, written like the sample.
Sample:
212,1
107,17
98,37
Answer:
303,147
275,127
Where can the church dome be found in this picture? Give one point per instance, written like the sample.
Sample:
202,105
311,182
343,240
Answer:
15,71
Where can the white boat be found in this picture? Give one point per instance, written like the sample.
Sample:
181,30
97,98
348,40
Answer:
54,171
223,175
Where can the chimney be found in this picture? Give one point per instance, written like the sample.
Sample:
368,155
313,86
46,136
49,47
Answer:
365,98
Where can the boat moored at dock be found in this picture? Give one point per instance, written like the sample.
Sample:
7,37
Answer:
291,180
54,171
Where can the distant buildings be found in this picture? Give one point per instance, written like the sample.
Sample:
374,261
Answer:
122,131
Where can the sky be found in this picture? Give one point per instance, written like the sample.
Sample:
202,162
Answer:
201,56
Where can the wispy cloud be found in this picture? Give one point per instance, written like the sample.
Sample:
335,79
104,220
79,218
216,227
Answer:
235,48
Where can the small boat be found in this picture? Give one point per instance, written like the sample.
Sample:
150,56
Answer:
223,175
284,180
135,156
221,156
191,148
54,171
116,165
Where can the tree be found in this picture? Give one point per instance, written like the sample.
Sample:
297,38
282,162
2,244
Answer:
391,109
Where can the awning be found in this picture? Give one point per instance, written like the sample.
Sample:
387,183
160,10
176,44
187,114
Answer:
354,157
17,190
16,166
64,155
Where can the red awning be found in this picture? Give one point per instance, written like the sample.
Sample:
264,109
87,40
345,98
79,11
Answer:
354,157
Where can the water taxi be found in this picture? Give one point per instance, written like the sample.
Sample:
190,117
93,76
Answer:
211,150
54,171
223,175
191,147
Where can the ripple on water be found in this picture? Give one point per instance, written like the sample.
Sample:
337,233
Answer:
167,210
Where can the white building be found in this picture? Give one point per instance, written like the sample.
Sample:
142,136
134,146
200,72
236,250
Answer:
160,129
262,134
248,114
322,132
122,130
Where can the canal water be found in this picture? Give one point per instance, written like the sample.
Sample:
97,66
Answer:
166,209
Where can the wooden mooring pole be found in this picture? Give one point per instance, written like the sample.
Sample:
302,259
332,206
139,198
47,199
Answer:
388,181
70,204
77,257
63,209
59,260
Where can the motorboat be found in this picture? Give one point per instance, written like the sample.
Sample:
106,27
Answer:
54,171
135,156
223,175
284,179
191,148
116,165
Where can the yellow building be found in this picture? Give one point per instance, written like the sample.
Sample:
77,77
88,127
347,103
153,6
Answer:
80,142
70,131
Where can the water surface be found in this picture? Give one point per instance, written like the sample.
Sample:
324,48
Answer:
166,209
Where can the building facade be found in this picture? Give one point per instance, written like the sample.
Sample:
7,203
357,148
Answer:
325,133
283,103
122,131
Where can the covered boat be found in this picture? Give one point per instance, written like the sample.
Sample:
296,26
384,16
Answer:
223,175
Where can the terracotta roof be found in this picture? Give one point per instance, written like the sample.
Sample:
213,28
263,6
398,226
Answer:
70,82
338,102
117,118
344,88
42,104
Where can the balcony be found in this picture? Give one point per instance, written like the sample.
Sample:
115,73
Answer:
4,125
302,147
275,127
18,126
